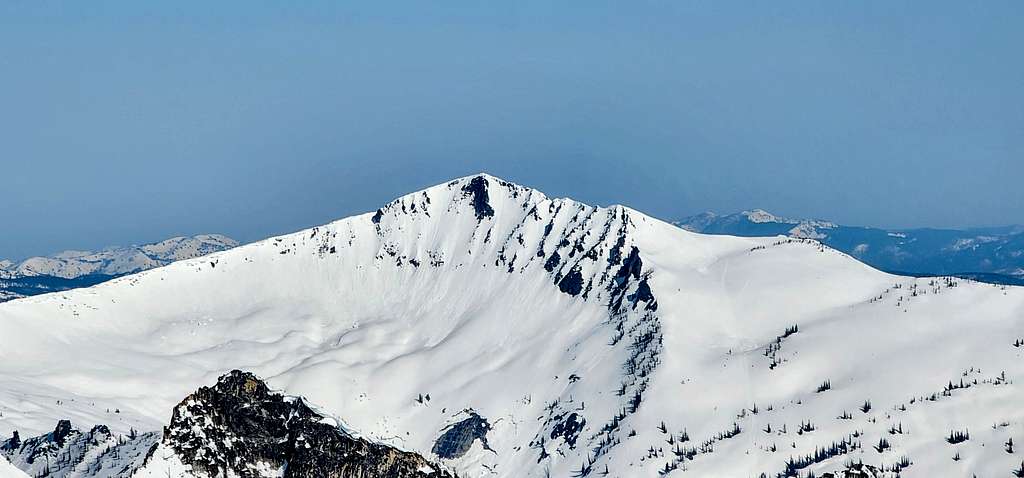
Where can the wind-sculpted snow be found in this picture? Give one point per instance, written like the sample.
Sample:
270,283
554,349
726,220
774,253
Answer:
587,340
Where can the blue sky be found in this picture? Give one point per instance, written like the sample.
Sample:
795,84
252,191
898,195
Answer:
126,122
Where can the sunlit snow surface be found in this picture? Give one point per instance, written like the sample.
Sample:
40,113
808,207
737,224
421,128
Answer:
8,470
437,294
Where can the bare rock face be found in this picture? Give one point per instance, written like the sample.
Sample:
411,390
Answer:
69,452
240,428
459,437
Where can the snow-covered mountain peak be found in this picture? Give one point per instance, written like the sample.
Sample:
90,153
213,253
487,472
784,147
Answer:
476,192
762,216
505,333
182,247
475,257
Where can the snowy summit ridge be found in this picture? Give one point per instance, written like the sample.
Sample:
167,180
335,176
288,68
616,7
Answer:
499,332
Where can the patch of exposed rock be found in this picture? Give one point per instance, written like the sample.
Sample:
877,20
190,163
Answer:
69,452
238,427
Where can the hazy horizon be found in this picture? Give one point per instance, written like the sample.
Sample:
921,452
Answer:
667,219
130,123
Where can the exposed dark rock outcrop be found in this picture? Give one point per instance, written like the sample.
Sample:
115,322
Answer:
240,427
477,188
11,444
569,428
855,470
459,437
552,262
67,452
572,283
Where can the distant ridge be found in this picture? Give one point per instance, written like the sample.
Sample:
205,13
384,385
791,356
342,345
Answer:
73,269
994,254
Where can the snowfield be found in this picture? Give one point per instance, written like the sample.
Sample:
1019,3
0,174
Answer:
585,340
8,470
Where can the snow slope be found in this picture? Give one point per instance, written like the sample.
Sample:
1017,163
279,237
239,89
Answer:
8,470
587,338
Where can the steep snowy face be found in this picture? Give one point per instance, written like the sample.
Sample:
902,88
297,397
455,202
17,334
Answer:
486,297
503,333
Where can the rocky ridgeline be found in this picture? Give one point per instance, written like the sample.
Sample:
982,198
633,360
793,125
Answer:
72,453
240,428
237,427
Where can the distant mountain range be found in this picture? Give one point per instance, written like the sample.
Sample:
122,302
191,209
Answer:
73,269
992,254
